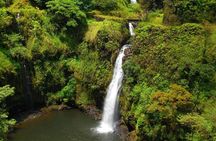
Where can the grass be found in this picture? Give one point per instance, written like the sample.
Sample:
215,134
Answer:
211,28
93,28
155,17
130,12
98,15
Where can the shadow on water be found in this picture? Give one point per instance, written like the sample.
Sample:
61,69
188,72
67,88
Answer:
70,125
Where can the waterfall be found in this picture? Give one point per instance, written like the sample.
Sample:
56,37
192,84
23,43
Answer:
131,29
133,1
110,109
18,15
111,101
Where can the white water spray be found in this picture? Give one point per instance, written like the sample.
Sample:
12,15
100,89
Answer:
107,124
133,1
131,29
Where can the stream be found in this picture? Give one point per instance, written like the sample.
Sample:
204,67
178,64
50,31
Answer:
71,125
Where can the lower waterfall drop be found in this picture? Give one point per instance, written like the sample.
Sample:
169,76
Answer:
110,111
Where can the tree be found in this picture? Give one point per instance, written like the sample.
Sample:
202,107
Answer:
200,128
157,114
5,19
66,13
6,66
105,5
190,10
85,5
40,3
5,3
152,4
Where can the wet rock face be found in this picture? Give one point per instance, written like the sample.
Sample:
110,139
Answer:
63,107
127,52
132,136
93,111
123,132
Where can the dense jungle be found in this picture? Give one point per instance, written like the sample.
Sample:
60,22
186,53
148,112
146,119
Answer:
61,53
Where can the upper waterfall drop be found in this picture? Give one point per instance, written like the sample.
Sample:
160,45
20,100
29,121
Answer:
131,29
133,1
107,124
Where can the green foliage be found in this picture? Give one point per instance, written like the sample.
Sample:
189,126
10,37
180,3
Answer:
162,55
66,13
37,26
155,17
48,77
105,5
184,11
6,66
118,10
40,3
152,4
173,50
155,114
93,28
2,3
21,53
195,10
200,127
93,68
163,111
5,123
109,38
47,46
5,19
63,70
12,40
67,94
92,76
85,5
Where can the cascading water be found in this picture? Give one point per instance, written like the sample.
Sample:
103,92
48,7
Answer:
133,1
111,101
110,109
131,29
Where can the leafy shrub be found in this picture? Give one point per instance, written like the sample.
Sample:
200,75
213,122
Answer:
6,66
48,77
21,53
5,3
66,13
201,128
85,5
161,55
5,19
5,123
40,3
155,114
192,10
2,3
152,4
109,38
67,94
12,40
105,5
175,50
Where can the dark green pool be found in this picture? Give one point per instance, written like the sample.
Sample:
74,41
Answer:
70,125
